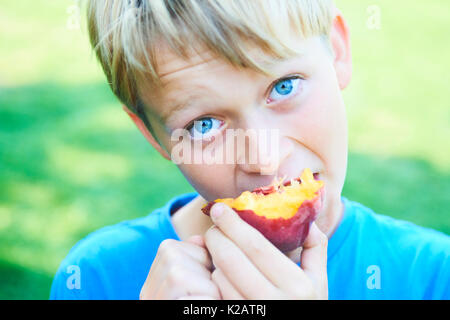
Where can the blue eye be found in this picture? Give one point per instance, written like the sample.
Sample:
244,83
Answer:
284,88
204,126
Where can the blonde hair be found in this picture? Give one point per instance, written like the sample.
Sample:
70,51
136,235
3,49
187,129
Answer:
125,34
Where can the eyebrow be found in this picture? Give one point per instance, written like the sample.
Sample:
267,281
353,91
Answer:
178,107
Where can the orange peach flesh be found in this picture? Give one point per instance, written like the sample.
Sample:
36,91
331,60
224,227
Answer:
284,202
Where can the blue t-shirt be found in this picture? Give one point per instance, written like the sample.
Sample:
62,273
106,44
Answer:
370,256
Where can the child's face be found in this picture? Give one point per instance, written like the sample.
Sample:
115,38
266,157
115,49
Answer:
303,102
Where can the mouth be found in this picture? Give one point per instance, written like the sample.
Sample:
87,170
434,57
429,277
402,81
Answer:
277,184
316,175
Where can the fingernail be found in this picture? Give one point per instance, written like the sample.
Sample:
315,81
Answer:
216,210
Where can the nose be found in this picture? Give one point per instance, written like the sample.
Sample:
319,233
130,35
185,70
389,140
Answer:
264,151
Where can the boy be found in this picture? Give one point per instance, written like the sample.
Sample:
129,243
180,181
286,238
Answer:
206,66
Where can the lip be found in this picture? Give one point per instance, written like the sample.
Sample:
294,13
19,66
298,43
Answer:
262,186
270,188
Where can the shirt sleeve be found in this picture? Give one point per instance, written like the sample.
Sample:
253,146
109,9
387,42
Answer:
78,280
440,286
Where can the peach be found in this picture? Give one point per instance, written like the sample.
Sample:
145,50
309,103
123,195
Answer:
282,212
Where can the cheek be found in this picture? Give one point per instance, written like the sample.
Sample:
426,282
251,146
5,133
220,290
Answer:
210,181
319,124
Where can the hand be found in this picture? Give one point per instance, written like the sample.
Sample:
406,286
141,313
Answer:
180,270
248,266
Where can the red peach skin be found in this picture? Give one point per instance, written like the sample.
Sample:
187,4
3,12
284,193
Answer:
285,234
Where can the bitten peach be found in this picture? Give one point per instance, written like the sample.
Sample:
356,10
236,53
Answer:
282,212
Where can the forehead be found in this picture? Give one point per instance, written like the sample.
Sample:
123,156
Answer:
179,75
171,66
169,62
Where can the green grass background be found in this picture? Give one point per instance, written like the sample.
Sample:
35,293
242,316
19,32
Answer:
71,162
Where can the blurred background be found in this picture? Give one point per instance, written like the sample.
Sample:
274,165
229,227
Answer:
72,162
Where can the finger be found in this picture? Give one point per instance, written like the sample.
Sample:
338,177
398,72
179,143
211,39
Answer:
264,255
200,241
151,288
227,290
314,255
184,261
171,252
197,240
236,266
181,282
172,259
170,249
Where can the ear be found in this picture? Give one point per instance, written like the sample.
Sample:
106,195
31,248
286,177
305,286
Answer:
144,130
340,41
